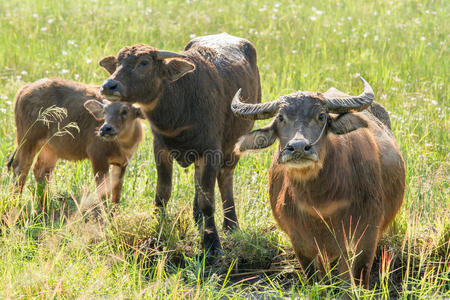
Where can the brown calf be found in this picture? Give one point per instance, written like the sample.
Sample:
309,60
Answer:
118,137
337,179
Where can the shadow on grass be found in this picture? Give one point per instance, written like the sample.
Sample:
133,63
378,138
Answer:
256,260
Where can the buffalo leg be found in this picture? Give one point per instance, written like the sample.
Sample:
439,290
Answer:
198,217
164,165
356,263
225,183
306,264
208,169
362,264
117,175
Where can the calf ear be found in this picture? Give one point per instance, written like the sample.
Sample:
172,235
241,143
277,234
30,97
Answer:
257,139
177,68
138,112
96,109
109,63
346,123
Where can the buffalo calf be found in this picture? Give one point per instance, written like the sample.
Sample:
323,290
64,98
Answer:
108,134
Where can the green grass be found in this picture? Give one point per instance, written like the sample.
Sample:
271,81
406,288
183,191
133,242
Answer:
400,47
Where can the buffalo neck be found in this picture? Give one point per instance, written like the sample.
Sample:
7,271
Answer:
170,110
330,183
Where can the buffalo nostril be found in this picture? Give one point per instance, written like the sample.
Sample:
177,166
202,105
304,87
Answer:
290,148
113,86
110,85
105,130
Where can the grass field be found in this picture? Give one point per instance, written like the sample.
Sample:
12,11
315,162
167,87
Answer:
400,47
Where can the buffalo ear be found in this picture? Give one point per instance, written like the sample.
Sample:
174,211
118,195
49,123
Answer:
109,63
96,109
347,122
257,139
138,112
177,68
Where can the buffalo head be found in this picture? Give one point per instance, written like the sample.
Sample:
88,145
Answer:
139,72
301,124
118,118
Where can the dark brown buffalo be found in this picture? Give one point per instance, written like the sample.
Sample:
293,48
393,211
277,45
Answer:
186,97
337,178
113,144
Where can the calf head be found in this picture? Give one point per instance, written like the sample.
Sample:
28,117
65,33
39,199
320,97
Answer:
301,124
140,72
118,118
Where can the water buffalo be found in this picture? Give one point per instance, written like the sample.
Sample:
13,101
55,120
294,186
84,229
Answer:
113,144
337,178
186,97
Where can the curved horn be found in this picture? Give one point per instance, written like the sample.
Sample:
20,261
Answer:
162,54
340,105
249,111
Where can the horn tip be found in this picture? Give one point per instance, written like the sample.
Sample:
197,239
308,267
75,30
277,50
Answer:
238,94
367,88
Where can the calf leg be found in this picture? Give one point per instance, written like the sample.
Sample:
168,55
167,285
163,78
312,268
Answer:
43,169
117,175
225,183
208,168
22,163
164,166
100,167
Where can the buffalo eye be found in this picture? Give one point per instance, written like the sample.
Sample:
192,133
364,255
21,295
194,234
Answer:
124,112
143,63
321,117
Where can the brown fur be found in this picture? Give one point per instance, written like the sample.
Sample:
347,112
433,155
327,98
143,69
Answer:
35,138
337,208
187,100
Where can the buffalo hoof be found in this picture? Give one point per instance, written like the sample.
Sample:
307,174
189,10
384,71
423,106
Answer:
212,246
229,225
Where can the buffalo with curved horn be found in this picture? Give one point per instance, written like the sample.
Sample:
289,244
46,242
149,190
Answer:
337,178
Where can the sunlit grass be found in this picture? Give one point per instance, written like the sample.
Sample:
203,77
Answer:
400,47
